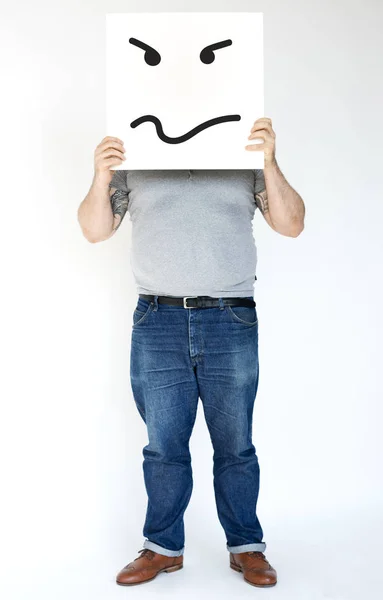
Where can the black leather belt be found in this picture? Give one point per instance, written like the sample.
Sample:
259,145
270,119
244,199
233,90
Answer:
198,301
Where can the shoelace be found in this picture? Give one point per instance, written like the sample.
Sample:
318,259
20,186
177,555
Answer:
259,554
145,552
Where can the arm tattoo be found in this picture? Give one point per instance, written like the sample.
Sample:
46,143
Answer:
119,200
262,202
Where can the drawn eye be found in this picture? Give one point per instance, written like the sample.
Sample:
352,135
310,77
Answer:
152,57
207,55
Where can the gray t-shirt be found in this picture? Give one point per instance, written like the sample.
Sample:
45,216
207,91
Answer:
192,232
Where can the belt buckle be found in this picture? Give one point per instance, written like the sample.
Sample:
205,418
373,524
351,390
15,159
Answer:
185,298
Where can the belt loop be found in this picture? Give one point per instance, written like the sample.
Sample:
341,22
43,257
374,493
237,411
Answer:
155,302
221,304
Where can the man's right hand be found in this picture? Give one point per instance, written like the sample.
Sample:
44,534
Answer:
109,152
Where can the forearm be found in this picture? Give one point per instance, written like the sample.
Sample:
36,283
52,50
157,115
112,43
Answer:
95,213
285,206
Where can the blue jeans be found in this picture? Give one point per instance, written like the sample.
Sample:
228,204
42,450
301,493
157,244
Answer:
179,355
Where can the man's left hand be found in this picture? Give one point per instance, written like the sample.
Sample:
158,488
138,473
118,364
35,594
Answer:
263,129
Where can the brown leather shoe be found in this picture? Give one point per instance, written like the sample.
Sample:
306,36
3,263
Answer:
147,566
255,568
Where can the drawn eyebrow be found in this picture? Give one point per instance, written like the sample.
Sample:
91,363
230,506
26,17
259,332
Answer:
141,45
151,56
218,45
207,55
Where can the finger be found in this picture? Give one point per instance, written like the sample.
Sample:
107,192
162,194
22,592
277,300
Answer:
261,134
111,152
113,161
108,144
263,120
111,138
102,147
255,147
113,143
262,125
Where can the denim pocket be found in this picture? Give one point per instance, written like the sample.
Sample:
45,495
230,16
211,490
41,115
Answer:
142,310
243,314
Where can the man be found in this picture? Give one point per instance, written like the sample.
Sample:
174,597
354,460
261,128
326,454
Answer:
194,335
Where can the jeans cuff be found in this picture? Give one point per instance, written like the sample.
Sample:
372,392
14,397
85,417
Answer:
258,547
162,550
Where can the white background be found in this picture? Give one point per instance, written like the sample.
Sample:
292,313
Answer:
73,498
182,91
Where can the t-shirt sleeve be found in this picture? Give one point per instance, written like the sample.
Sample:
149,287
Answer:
119,181
120,198
259,181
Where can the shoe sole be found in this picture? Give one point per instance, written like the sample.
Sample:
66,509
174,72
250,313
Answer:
265,585
167,570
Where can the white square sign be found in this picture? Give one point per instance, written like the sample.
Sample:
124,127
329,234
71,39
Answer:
184,89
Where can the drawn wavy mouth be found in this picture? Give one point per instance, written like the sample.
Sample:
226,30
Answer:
186,136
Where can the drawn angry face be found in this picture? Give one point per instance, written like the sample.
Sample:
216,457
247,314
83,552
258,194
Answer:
183,89
153,58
